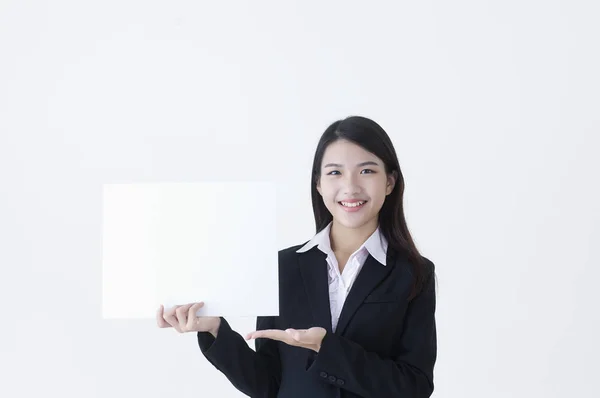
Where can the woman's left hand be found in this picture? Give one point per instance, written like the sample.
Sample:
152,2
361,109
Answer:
306,338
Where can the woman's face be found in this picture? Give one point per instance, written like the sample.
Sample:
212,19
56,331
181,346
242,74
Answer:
353,184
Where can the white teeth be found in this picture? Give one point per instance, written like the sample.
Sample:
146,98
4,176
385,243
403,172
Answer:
355,204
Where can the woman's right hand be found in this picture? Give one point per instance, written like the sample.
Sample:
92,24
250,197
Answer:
183,318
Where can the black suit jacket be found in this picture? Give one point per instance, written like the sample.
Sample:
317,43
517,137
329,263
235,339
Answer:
383,346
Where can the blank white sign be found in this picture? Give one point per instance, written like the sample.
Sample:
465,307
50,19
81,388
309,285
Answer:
177,243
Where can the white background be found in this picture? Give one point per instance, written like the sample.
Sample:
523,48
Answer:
493,108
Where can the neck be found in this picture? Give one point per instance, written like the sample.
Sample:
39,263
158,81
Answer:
348,240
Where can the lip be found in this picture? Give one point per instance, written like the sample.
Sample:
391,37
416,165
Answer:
352,209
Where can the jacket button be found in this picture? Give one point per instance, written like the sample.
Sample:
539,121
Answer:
340,382
323,375
332,379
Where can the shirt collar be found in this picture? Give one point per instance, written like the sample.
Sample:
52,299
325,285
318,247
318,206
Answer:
376,244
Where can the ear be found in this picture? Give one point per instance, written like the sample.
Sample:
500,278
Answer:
319,186
391,182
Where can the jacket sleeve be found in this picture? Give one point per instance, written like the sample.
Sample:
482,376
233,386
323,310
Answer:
255,373
346,364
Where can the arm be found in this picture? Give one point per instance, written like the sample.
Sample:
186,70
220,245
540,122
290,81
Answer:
257,374
346,364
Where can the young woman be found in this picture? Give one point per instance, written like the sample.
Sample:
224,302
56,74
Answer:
357,301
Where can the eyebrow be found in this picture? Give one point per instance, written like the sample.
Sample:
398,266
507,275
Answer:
368,163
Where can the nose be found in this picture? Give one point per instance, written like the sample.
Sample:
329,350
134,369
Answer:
351,185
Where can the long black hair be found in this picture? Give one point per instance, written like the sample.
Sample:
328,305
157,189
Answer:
373,138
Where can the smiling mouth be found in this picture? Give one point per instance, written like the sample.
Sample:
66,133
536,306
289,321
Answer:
353,205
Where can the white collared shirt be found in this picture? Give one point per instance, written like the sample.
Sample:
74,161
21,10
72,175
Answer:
341,283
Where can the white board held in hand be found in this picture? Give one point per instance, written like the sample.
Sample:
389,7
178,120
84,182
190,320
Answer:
177,243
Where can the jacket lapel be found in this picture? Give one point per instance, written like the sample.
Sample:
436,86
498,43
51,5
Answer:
313,268
371,274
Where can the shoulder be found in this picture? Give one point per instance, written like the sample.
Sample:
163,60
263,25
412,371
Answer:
428,278
289,253
410,262
429,266
420,270
288,264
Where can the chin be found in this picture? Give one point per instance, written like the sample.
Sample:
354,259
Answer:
351,223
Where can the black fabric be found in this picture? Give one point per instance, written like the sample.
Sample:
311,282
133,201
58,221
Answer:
383,346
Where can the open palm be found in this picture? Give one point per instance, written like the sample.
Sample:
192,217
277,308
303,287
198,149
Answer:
306,338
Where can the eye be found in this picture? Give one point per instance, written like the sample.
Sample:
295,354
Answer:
331,172
369,171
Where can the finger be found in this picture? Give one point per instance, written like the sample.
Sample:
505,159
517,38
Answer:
160,321
181,314
192,317
170,318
